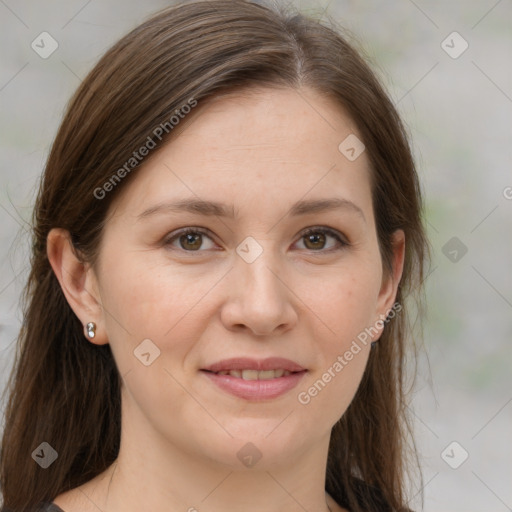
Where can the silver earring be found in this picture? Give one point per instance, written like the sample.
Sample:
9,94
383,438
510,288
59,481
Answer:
373,344
91,329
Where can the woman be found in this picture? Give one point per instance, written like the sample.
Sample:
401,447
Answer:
226,231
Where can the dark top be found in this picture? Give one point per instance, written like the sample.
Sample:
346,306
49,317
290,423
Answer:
48,507
382,506
51,507
40,507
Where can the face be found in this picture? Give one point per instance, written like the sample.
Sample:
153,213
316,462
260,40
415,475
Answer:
276,277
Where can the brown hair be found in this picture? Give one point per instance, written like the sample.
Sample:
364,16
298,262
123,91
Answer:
65,390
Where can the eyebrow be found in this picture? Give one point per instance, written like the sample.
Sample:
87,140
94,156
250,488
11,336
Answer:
214,208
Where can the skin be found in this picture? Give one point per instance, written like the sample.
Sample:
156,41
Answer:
299,299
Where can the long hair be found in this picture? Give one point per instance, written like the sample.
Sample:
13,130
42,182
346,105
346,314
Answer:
66,391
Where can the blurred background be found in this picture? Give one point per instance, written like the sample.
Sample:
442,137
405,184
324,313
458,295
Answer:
445,65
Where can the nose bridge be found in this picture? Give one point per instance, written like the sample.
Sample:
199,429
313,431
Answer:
255,264
259,298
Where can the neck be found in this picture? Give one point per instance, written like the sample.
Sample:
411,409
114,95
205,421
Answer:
152,473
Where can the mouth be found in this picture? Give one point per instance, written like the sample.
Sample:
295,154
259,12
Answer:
245,364
248,374
255,380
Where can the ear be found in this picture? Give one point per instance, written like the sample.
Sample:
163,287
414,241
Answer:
390,281
78,282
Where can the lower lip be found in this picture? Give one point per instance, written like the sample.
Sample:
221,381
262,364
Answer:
256,390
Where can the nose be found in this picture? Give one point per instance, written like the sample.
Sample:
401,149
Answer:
258,298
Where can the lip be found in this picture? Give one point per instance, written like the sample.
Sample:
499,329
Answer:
247,363
255,390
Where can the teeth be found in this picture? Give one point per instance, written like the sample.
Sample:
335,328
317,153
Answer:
251,374
255,374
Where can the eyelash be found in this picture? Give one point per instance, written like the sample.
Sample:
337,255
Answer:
309,231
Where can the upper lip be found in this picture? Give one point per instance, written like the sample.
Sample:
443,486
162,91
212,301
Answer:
246,363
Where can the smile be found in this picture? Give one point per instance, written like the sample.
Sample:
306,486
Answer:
255,374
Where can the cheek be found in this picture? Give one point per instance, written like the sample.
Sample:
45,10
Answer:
345,302
345,307
145,300
328,393
154,303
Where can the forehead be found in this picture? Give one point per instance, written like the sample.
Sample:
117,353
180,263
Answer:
269,121
252,146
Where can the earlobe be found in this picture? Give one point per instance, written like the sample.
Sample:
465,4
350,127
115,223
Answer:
78,283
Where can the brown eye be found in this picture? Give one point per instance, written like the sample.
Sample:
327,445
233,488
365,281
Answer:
315,239
189,240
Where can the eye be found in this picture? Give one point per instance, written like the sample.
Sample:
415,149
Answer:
315,239
189,239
